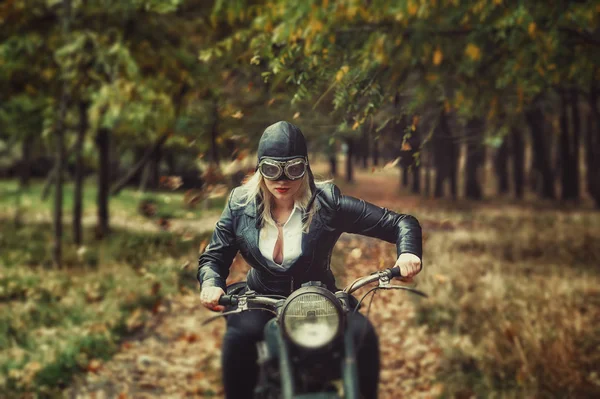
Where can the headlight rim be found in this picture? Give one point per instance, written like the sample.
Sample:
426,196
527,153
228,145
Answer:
319,291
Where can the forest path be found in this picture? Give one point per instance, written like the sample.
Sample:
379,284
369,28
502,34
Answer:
173,356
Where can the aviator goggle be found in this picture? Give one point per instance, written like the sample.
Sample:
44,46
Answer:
293,169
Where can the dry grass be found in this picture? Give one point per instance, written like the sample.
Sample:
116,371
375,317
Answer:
515,300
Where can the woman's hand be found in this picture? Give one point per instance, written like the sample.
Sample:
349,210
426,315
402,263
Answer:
409,264
209,297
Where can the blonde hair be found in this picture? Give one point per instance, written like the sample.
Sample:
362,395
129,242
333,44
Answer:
255,187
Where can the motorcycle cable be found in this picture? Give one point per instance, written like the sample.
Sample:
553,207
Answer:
231,312
364,331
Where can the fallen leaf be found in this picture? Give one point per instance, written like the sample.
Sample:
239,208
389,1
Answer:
94,365
392,163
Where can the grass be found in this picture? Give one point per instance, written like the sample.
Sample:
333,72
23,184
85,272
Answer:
55,323
515,299
169,204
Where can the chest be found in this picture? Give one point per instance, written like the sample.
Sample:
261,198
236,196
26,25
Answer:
300,249
281,245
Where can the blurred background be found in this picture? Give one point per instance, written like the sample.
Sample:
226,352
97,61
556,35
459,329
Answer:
124,124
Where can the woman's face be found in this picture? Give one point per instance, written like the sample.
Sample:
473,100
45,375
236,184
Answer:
283,190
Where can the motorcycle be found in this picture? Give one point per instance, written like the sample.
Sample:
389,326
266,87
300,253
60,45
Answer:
308,337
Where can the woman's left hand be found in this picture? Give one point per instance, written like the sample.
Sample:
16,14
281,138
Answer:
409,264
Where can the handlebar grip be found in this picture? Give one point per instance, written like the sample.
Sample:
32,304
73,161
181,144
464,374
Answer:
228,300
395,272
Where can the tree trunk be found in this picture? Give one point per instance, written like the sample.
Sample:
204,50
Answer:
445,158
404,176
474,160
140,164
58,180
541,156
79,174
214,134
576,141
518,157
333,164
375,152
144,179
501,167
103,144
60,151
25,164
50,179
568,150
427,181
416,183
592,146
155,169
349,156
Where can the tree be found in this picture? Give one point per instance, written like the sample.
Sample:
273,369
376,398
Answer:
487,60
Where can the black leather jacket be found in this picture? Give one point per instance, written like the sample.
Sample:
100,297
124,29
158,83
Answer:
336,214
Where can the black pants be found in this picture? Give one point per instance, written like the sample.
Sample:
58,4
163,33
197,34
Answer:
244,330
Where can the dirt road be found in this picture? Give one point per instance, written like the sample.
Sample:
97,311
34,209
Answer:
174,356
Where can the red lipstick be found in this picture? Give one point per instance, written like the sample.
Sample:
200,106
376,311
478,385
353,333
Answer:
281,190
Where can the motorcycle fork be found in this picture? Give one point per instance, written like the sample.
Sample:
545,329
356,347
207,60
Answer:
278,347
349,369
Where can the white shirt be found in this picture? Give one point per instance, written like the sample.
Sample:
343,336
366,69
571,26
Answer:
292,241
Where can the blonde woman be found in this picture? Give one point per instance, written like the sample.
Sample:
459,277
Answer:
285,225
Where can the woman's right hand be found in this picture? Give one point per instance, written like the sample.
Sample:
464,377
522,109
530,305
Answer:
209,297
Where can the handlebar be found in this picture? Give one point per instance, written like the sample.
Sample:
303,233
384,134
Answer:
395,272
383,276
233,300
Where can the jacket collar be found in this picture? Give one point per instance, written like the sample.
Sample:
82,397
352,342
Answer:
251,209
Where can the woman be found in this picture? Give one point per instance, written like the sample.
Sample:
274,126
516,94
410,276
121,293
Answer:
285,225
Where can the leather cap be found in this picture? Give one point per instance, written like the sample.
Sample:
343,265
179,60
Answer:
282,141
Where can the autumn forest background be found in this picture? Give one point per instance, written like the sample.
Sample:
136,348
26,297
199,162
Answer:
125,123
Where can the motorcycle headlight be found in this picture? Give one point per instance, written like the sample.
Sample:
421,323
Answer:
312,317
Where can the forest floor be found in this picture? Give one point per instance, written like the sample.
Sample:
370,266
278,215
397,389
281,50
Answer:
180,358
514,292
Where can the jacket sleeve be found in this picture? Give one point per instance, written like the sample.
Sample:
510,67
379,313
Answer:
214,263
357,216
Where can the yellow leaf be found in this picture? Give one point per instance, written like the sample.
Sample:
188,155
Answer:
296,115
531,29
412,8
447,106
356,125
342,72
540,70
437,57
473,52
269,27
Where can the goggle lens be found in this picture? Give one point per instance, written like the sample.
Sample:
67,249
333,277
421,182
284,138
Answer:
273,170
295,171
270,171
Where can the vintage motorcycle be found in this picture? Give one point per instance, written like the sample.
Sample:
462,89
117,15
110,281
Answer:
307,347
